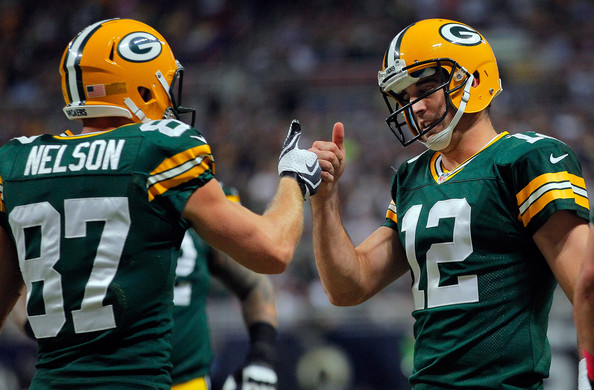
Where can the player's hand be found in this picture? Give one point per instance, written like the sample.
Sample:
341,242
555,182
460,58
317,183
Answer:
252,377
332,159
300,164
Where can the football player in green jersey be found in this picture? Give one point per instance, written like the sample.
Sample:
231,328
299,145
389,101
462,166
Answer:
584,311
192,355
92,223
486,222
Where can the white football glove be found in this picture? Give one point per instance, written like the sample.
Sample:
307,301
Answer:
583,381
300,164
252,377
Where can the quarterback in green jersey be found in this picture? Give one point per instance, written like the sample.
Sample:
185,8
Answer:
191,353
92,223
486,223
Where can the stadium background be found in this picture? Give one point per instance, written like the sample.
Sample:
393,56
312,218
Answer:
251,67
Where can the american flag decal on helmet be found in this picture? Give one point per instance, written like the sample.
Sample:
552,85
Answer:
97,90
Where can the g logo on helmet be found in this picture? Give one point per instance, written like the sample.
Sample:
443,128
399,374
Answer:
139,47
459,34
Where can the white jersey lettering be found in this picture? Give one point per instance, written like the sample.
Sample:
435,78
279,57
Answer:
92,156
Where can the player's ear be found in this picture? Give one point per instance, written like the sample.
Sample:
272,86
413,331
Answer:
477,79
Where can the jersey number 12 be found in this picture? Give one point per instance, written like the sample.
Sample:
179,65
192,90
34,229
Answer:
466,290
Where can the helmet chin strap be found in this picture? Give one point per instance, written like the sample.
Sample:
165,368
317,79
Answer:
135,110
442,139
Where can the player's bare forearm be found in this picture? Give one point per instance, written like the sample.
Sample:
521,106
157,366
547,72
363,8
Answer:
584,298
335,255
351,275
584,313
285,217
262,243
254,291
336,258
270,239
259,304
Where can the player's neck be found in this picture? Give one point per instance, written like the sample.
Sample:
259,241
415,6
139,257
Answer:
95,125
470,136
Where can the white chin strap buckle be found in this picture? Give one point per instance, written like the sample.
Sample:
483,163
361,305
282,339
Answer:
135,110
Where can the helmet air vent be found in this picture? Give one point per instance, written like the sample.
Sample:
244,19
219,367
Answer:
145,94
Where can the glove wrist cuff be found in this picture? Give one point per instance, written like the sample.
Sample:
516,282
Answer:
262,343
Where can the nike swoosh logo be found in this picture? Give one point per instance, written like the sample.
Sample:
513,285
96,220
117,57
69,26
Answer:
555,160
311,168
199,138
312,176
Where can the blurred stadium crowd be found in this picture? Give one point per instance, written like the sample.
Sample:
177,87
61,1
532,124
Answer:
252,66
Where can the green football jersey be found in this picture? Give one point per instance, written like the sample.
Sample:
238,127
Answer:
482,290
96,220
192,354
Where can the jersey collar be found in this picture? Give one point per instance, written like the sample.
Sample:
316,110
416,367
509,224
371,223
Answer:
441,175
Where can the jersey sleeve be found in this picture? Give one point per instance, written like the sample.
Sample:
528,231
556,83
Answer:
391,216
547,178
186,164
391,220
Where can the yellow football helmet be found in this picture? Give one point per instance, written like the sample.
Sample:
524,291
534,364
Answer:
121,68
468,68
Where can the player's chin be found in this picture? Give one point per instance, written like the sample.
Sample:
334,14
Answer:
432,133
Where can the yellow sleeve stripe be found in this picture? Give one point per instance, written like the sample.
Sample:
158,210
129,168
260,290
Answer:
546,181
182,158
180,175
179,169
391,213
547,188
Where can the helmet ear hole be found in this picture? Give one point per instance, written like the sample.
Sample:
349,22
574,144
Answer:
477,78
145,94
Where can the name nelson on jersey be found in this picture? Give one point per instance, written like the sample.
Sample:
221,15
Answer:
92,156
